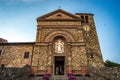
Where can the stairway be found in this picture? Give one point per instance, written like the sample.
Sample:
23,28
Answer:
59,77
30,78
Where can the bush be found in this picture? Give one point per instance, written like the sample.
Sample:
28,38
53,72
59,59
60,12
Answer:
71,76
46,76
111,64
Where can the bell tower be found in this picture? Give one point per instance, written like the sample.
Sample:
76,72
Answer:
91,40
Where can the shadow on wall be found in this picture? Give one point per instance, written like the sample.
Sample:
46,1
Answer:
7,73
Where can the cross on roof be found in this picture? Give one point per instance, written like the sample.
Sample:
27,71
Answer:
59,7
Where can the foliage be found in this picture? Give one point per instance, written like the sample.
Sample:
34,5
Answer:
46,76
111,64
71,76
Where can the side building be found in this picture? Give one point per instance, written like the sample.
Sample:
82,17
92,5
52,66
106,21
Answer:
65,43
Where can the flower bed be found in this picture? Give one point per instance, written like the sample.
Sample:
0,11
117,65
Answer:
71,76
46,76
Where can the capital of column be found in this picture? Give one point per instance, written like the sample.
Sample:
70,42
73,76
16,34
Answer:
69,45
50,44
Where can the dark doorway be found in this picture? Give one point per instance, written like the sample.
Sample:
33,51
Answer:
59,65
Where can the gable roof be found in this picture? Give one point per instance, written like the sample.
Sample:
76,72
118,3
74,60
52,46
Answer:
3,40
58,11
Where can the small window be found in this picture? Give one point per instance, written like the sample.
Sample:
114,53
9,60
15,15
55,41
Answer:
59,16
86,18
82,19
91,56
26,55
2,65
0,52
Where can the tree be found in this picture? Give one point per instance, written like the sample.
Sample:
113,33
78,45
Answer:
111,64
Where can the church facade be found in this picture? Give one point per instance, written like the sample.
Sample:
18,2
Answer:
65,43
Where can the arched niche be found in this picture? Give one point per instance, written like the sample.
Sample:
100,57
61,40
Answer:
59,44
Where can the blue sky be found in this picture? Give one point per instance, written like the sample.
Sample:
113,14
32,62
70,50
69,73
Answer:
18,20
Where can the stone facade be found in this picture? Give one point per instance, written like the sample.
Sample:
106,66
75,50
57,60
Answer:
14,73
80,45
104,73
13,54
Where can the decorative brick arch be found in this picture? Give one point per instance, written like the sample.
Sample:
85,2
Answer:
65,34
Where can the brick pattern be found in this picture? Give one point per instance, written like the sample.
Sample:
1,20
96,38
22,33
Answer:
40,58
79,58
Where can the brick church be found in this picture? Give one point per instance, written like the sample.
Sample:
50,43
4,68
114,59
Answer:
65,43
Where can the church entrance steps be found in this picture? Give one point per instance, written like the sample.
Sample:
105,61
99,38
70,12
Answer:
33,78
64,77
84,78
59,77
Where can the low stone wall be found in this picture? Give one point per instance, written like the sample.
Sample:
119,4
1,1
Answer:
14,73
106,73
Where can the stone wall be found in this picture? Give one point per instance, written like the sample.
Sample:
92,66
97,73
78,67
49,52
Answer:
13,54
105,73
93,51
79,58
7,73
40,58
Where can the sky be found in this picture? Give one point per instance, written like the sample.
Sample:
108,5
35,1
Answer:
18,20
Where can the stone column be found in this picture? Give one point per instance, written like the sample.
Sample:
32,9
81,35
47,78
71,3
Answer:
38,34
69,64
50,68
80,35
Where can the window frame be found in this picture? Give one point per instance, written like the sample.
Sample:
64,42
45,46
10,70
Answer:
91,55
26,55
86,19
1,52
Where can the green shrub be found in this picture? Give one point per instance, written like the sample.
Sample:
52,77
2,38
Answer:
111,64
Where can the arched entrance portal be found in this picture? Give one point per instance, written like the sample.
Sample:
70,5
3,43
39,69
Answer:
59,65
60,51
59,55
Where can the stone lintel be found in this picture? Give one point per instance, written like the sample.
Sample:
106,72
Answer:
41,44
61,26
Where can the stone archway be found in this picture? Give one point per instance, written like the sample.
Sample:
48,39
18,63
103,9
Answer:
59,44
65,34
66,37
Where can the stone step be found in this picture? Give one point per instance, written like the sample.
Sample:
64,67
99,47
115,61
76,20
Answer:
59,77
32,78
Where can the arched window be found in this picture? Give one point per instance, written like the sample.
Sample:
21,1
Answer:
82,19
86,18
59,46
26,55
91,56
0,52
